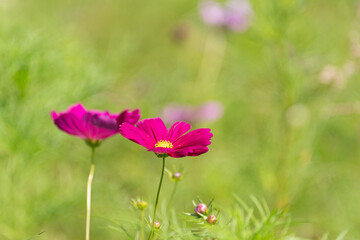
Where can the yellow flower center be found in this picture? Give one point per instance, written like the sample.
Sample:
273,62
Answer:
164,144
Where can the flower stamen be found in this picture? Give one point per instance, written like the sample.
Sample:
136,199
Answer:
164,144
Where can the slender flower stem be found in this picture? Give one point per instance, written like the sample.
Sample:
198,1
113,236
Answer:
172,196
157,199
88,195
142,225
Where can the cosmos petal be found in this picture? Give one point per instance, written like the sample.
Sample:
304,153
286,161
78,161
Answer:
128,116
78,110
154,127
69,123
137,135
198,137
177,130
189,151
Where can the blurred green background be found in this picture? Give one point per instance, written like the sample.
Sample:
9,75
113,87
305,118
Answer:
285,135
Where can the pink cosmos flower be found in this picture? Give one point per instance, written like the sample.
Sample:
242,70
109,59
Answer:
207,112
235,15
175,142
212,13
92,125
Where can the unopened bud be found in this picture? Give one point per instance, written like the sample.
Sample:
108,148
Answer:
176,176
201,208
139,204
211,219
157,225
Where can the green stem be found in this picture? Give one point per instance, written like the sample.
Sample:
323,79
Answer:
88,195
172,196
157,199
142,225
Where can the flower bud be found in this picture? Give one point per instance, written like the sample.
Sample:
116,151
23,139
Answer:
201,208
176,176
211,219
157,225
139,204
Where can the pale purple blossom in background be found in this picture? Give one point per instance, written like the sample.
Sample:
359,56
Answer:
238,14
212,13
208,112
234,15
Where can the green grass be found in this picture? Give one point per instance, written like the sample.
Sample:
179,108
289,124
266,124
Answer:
120,54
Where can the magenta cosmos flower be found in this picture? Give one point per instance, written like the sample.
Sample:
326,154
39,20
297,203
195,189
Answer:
92,125
175,142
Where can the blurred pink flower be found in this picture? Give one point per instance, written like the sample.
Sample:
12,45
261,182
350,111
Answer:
92,125
210,111
238,14
235,15
175,142
212,13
